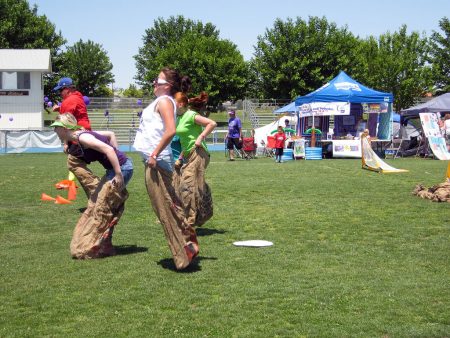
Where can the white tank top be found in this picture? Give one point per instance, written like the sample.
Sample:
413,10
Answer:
151,128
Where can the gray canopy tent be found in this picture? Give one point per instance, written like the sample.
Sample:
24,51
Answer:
438,104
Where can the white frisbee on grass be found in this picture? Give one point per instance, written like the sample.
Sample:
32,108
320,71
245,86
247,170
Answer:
255,243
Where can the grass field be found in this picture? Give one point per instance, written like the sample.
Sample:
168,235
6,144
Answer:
354,255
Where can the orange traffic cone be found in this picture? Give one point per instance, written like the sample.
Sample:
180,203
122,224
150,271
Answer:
64,184
45,197
61,200
72,194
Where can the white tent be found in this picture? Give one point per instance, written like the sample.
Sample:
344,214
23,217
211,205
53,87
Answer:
261,133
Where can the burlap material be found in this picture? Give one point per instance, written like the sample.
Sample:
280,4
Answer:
88,180
167,208
194,192
437,193
94,228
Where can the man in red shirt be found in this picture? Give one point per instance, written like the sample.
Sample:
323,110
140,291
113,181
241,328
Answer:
73,102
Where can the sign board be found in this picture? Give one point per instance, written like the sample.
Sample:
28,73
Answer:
347,148
324,109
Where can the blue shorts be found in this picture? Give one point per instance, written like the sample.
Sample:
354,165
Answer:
127,171
164,162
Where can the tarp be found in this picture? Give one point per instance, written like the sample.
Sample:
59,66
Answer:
344,89
438,104
18,141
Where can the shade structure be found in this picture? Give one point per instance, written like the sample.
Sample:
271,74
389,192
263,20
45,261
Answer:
344,89
438,104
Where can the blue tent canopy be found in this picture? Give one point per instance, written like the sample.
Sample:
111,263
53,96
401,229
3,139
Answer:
344,89
289,108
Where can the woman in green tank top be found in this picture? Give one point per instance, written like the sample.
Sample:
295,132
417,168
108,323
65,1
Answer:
192,129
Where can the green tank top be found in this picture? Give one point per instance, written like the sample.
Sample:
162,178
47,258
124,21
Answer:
188,131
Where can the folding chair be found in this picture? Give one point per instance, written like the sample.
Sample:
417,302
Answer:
267,151
394,148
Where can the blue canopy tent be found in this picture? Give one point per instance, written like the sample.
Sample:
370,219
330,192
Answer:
289,108
345,89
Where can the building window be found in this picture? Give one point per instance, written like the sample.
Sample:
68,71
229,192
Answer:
15,80
23,80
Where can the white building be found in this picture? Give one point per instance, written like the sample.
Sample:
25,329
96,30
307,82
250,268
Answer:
22,88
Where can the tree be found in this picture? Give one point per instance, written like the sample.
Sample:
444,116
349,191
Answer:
194,49
22,28
396,63
440,57
133,91
89,66
296,57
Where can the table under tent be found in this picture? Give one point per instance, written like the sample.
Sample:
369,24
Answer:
341,110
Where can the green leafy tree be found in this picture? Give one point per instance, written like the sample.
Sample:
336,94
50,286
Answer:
133,91
22,28
88,64
254,81
397,63
296,57
194,49
440,57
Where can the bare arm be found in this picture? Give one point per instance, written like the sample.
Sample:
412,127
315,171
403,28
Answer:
111,137
206,123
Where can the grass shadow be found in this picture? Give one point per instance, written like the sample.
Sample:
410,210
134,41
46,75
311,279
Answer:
129,249
167,263
208,232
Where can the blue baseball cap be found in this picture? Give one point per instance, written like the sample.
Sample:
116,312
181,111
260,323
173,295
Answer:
63,82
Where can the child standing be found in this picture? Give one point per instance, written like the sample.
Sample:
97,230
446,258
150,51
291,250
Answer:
280,137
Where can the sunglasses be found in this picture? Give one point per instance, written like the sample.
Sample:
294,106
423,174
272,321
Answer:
159,82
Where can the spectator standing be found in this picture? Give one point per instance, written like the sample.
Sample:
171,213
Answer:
234,135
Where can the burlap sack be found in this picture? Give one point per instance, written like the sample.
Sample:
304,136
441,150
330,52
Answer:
167,208
194,192
88,180
94,228
437,193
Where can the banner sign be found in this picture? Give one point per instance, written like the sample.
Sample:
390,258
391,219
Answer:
374,108
347,148
433,133
324,109
299,148
439,147
430,124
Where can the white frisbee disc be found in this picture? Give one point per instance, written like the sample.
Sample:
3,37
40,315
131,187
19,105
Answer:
256,243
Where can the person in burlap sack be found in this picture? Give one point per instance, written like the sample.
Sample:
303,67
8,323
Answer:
92,236
153,137
73,102
192,129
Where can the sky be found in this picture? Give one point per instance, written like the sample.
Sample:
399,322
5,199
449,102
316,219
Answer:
119,25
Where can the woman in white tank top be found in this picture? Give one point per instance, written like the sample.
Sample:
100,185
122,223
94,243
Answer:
156,130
